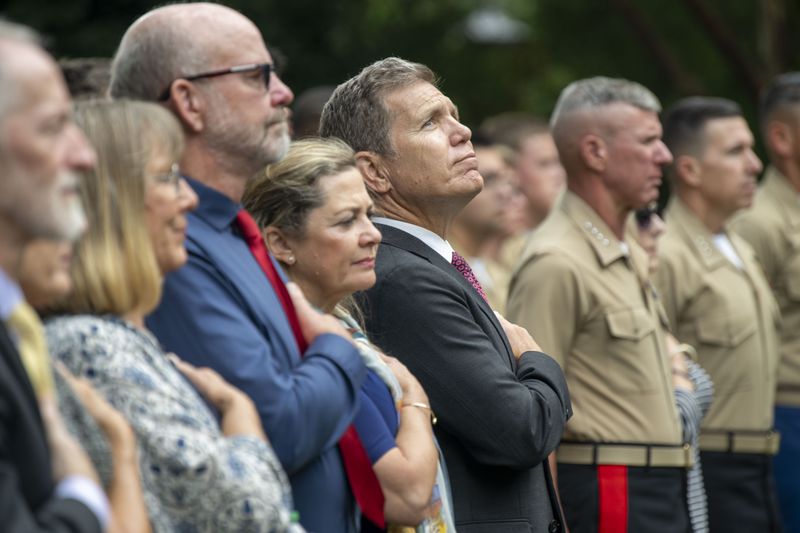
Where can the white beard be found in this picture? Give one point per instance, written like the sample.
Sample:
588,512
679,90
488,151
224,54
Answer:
66,213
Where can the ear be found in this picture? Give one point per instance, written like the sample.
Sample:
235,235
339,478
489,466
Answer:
594,152
780,139
279,246
374,172
189,104
688,170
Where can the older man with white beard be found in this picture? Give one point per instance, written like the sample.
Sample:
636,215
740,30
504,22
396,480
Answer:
228,307
47,482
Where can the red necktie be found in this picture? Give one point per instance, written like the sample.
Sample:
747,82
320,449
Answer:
462,266
362,479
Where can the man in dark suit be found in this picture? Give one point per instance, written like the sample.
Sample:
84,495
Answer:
47,482
501,403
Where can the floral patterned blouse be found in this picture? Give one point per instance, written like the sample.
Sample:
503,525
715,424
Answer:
195,479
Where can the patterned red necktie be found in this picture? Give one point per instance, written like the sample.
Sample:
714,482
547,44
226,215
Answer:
462,266
363,482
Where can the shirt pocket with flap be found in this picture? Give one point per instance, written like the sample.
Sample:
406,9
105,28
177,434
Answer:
632,353
721,350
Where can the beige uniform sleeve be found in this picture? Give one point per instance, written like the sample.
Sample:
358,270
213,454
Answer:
545,298
765,243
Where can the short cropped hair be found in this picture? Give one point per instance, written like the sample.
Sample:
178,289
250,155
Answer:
779,94
16,33
356,112
592,93
512,129
284,194
684,121
151,56
114,269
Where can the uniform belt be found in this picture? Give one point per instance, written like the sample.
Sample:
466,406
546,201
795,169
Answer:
763,442
590,453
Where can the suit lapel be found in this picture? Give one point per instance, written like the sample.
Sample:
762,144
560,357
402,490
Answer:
10,356
400,239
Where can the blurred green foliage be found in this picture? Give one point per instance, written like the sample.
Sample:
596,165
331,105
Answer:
327,41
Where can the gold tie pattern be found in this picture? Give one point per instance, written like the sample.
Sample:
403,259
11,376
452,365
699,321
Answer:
32,347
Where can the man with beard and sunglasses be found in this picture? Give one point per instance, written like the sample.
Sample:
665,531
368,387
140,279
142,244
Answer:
228,308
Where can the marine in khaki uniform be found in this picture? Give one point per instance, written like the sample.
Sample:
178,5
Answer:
583,292
772,228
718,300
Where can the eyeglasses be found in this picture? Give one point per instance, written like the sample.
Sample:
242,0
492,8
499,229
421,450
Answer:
265,68
645,215
173,177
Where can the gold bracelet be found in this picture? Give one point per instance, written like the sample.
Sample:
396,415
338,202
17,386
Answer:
421,405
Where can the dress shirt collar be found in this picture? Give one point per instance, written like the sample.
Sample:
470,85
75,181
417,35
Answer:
10,295
439,245
696,233
215,208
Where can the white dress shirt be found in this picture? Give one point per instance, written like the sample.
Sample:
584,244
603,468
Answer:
439,245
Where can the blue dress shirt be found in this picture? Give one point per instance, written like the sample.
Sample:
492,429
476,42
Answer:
219,310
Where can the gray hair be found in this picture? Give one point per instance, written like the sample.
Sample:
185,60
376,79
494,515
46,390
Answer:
152,54
592,93
19,34
356,112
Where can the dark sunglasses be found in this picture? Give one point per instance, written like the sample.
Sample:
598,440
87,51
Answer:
645,215
266,71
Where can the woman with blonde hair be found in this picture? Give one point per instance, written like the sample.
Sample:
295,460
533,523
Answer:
197,474
315,214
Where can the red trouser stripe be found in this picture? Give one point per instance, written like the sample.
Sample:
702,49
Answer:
612,482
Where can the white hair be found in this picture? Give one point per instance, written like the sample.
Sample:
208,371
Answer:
11,32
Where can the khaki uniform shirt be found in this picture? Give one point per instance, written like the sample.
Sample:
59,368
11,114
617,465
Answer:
588,304
728,314
772,228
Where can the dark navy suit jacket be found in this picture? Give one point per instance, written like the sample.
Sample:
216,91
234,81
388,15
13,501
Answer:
26,480
499,417
219,310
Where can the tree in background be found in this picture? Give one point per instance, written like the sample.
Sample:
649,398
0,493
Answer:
675,47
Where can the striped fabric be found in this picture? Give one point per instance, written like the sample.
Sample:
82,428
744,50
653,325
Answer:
692,406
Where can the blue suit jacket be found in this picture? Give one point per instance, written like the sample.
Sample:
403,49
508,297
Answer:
219,310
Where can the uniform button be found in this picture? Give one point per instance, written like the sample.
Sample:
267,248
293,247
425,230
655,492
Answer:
554,527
